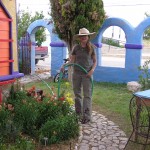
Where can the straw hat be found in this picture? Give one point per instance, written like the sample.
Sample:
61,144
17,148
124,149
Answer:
83,32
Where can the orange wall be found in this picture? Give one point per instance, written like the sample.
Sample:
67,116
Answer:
4,46
10,5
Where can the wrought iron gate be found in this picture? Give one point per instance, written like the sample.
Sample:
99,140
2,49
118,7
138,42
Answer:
25,54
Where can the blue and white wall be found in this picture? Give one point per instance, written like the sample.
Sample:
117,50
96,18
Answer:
133,54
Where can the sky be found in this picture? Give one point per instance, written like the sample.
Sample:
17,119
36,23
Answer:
131,10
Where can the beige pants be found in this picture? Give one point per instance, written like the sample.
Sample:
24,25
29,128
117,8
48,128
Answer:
82,88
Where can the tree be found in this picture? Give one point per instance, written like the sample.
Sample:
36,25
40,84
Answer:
24,20
71,15
147,32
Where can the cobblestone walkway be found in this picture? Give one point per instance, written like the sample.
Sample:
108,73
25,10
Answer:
101,134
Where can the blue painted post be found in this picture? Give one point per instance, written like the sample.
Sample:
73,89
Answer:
133,56
58,50
98,53
32,36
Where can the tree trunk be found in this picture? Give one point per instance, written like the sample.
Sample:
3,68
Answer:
70,46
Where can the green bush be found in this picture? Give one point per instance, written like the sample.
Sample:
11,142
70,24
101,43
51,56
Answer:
144,77
60,129
47,111
111,41
22,115
21,144
4,118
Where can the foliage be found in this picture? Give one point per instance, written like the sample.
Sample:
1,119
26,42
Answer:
70,16
21,144
144,77
111,41
62,129
24,20
30,113
147,32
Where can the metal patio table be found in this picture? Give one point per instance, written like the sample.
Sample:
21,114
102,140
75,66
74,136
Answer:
139,108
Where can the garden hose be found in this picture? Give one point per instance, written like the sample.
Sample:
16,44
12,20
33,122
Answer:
45,83
61,74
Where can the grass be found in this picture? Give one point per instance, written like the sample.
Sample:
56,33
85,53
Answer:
112,100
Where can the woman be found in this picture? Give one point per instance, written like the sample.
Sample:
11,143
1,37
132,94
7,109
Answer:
83,54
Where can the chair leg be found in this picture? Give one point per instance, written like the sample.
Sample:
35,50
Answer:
128,140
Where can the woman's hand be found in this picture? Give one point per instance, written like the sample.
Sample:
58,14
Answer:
90,73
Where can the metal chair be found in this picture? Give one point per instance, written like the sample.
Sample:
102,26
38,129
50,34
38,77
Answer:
140,118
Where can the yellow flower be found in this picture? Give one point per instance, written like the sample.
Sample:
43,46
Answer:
67,84
70,101
68,95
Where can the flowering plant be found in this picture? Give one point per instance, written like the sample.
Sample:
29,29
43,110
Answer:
36,93
65,95
40,115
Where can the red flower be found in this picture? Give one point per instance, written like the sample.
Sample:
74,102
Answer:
62,98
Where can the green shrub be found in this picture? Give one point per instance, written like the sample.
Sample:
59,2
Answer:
47,111
23,115
21,144
60,129
111,41
4,118
144,77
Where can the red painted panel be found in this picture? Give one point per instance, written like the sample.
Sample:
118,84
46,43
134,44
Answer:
4,71
2,15
4,45
4,64
4,54
4,34
4,26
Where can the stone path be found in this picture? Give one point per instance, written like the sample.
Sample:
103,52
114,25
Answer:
100,134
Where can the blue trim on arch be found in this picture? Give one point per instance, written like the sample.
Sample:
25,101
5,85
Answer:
99,45
56,44
133,46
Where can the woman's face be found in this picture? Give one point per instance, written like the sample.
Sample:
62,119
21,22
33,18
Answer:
84,38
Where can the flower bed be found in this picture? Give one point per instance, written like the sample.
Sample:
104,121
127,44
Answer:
46,119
